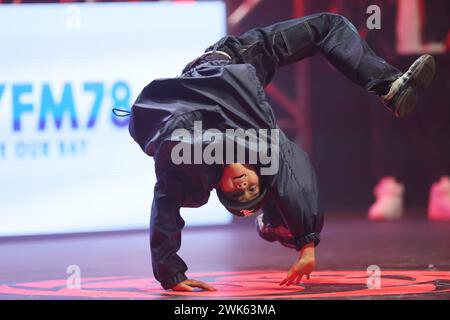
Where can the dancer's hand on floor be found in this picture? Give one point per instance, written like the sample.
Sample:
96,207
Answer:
303,267
190,284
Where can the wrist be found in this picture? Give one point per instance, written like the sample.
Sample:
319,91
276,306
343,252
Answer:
308,250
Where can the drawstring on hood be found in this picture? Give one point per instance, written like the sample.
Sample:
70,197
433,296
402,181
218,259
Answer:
121,112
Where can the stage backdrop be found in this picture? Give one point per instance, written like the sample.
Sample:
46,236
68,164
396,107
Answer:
66,164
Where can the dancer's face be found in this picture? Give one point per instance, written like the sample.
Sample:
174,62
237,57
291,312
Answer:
239,182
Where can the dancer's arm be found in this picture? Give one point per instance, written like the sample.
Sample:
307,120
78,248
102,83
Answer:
298,200
165,236
302,267
166,224
299,205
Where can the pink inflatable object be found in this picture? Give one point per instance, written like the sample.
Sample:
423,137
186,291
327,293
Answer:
389,200
439,202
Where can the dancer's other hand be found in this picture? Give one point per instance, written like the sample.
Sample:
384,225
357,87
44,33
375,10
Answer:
302,267
190,284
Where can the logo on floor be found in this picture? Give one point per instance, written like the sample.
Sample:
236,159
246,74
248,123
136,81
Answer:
245,285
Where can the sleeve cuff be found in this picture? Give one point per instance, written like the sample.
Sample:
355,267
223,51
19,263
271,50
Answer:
177,278
300,241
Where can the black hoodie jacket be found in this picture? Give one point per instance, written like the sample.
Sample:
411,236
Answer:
222,95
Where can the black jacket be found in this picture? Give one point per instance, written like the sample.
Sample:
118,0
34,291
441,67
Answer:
222,95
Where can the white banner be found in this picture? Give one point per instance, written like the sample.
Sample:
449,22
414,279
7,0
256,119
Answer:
66,163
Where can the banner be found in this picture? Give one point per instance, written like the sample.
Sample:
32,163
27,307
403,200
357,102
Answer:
67,164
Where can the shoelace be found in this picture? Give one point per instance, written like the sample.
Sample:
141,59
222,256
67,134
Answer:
405,77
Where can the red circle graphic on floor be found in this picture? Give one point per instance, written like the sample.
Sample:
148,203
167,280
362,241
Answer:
245,285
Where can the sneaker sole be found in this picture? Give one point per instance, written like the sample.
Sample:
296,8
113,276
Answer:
406,102
420,79
425,73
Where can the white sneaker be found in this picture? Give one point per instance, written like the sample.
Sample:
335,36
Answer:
389,200
439,202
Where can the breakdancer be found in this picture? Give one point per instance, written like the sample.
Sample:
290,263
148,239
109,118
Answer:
223,89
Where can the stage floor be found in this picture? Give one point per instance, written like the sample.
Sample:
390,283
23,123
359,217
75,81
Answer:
413,256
